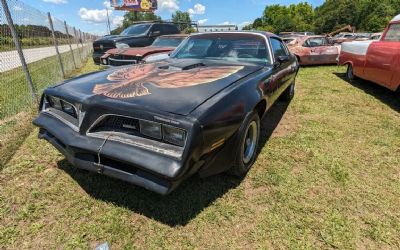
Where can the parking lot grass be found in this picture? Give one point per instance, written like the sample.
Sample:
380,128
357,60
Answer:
16,106
327,176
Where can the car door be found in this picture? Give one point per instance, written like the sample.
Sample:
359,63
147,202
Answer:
381,65
282,72
320,51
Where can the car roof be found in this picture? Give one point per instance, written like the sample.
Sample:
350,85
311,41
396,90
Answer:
174,35
263,33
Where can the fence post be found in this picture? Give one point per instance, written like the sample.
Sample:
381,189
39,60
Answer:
69,42
77,43
83,48
19,50
56,44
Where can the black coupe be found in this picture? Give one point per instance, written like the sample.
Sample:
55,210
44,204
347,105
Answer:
155,125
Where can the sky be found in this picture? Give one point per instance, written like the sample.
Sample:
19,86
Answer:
91,15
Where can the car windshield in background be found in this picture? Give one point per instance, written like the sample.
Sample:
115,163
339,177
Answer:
167,42
230,47
136,30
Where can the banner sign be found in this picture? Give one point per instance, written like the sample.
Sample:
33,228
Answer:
134,5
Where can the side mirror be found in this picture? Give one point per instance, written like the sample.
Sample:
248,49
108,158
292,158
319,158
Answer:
280,60
155,33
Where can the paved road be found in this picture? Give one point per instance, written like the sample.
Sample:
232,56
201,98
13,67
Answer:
10,59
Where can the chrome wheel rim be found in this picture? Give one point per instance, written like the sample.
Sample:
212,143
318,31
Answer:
250,142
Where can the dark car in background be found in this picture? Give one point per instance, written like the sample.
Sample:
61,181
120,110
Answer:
160,49
155,125
137,35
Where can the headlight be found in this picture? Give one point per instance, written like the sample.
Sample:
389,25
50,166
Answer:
151,129
62,105
104,61
122,46
174,136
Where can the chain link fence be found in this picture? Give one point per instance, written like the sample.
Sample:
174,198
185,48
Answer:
36,50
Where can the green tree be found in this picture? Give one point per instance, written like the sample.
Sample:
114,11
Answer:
184,21
334,14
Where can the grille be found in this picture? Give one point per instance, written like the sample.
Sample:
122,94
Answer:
117,124
120,60
124,57
105,46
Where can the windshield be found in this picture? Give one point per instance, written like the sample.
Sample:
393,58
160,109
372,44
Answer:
137,30
230,47
167,42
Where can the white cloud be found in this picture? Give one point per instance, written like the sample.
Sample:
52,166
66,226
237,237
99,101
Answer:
117,21
100,16
168,5
107,4
17,8
93,16
56,1
198,9
202,21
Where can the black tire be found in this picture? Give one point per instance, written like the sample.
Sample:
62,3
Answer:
246,151
289,93
350,73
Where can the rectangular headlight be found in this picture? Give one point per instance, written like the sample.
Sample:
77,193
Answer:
174,136
54,102
150,129
61,105
68,108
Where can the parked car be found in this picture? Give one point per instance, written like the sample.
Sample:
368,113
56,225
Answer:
376,61
293,34
155,125
162,45
137,35
376,36
313,50
343,37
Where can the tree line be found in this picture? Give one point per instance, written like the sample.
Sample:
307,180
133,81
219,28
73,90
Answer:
364,15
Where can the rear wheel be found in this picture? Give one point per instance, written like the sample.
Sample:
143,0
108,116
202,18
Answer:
246,150
350,73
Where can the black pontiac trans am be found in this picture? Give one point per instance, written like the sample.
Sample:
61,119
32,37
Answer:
155,125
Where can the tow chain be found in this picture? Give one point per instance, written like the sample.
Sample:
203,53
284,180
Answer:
100,167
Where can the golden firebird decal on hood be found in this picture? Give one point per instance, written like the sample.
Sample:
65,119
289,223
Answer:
129,82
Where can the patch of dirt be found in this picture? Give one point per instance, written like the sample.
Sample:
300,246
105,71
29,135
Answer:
288,125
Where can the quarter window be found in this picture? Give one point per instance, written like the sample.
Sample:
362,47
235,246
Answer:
393,34
278,48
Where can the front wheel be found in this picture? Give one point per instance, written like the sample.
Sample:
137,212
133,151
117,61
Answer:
350,73
247,146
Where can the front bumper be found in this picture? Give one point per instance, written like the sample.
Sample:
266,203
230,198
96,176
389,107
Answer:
152,171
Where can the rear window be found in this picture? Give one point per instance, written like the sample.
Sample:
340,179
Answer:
393,33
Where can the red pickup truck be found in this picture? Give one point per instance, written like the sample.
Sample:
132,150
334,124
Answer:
376,61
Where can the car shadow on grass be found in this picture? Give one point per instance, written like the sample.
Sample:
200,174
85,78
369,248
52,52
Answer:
383,94
182,205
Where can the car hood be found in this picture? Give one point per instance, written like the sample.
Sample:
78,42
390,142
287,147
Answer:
140,51
174,86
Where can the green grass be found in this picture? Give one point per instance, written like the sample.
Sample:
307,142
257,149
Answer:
327,177
16,105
